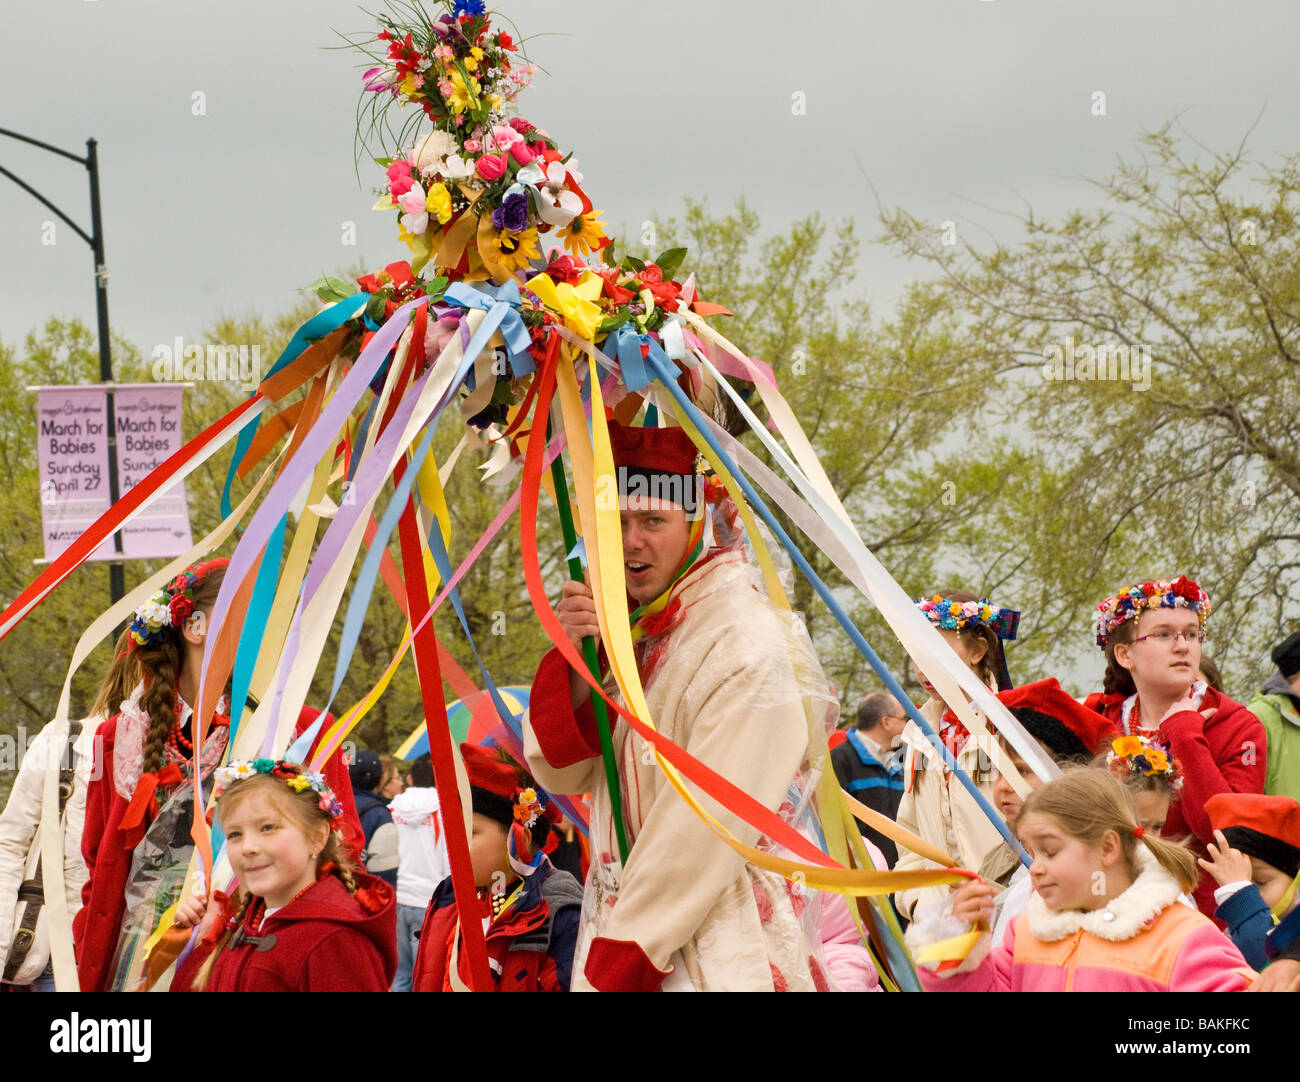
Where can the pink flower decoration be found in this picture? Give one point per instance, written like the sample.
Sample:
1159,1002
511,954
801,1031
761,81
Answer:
491,167
399,178
505,136
522,153
473,146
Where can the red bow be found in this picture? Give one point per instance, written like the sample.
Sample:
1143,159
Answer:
144,800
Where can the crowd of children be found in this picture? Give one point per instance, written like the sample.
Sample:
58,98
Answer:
1164,857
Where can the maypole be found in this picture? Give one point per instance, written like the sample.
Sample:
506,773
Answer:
529,343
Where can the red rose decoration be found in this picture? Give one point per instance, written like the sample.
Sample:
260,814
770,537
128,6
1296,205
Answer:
652,275
181,607
564,269
522,126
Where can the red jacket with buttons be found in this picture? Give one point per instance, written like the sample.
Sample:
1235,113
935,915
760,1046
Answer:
1225,753
325,941
530,946
98,924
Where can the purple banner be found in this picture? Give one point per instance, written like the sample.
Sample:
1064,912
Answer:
148,420
72,446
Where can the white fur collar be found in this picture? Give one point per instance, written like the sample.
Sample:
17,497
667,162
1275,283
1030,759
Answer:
1153,891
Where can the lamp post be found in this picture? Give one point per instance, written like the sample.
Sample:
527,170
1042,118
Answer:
116,575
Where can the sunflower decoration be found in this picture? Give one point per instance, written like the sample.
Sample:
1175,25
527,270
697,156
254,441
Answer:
513,250
585,234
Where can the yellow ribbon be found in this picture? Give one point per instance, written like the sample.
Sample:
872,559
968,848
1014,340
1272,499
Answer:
576,303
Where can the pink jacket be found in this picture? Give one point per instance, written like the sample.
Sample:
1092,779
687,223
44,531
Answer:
1143,941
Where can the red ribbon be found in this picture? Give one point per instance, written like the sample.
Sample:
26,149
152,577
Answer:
144,799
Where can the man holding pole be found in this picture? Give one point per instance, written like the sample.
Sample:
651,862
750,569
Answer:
731,679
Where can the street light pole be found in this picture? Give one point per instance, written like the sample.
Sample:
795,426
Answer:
116,574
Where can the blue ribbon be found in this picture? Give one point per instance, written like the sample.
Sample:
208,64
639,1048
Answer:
502,306
255,621
636,354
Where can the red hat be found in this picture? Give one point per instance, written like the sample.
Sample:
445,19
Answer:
1267,827
658,450
1067,728
496,783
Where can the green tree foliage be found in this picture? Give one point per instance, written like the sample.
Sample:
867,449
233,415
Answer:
888,405
1193,263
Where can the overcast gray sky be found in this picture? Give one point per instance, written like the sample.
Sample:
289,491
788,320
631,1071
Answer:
957,109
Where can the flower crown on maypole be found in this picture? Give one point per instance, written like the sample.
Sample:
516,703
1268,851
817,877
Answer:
1157,594
476,195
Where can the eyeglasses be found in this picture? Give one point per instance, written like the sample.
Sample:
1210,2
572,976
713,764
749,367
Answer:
1168,638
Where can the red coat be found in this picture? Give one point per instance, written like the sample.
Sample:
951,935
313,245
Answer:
324,941
98,924
530,946
1225,754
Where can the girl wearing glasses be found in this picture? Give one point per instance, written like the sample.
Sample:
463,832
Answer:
1152,634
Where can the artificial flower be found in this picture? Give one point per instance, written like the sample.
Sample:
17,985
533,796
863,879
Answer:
505,136
491,167
399,178
1127,746
461,96
558,205
505,41
522,152
415,204
181,608
515,250
439,203
457,168
512,214
428,155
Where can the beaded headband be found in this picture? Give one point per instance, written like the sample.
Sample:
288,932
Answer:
171,606
1145,757
955,615
1157,594
292,774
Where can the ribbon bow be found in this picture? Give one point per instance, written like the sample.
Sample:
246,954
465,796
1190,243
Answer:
145,799
633,351
575,302
502,306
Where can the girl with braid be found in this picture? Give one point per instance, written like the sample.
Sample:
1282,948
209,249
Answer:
304,919
146,755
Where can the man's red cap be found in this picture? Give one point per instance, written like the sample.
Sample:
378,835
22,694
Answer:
660,450
1273,816
1053,718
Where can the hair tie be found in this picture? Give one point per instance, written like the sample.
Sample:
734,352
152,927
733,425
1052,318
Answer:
1139,832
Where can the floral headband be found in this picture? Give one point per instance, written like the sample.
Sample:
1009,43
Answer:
1158,594
529,806
955,615
1141,756
171,606
294,775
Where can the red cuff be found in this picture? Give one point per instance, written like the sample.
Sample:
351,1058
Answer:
618,965
1183,724
565,736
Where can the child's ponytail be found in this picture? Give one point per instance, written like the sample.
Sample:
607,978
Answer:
1175,858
